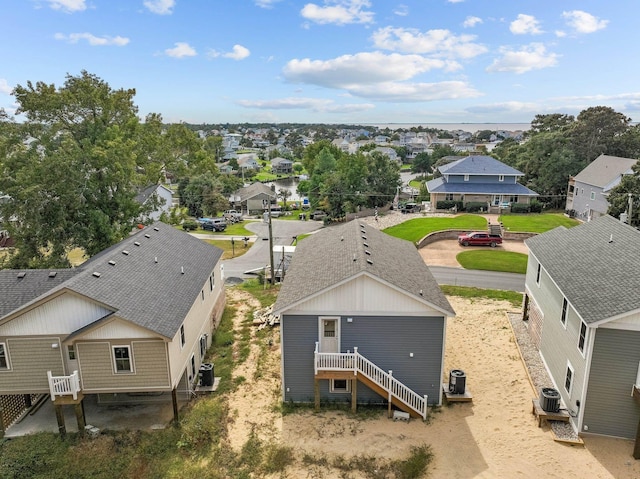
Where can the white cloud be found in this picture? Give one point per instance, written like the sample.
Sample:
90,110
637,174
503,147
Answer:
401,10
92,39
313,104
583,22
560,33
349,70
437,42
410,92
237,53
505,107
530,57
161,7
4,87
68,6
471,22
525,24
340,12
266,3
455,1
181,50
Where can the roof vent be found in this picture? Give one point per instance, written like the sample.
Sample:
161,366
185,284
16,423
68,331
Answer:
147,235
364,237
341,238
155,228
611,238
155,260
137,243
354,256
21,274
52,274
420,292
181,269
96,274
112,263
367,252
366,245
369,261
125,252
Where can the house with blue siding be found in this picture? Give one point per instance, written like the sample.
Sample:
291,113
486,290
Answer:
362,321
479,179
582,308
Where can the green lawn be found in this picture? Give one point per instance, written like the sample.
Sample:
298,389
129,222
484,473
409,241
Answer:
468,292
536,223
228,250
492,260
416,229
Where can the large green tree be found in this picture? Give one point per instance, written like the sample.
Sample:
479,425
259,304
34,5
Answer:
626,196
73,178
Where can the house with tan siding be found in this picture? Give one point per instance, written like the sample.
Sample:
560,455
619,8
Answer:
136,319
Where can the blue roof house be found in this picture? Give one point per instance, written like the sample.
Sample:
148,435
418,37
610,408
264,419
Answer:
479,178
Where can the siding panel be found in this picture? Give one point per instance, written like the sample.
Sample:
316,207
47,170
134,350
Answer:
30,360
609,407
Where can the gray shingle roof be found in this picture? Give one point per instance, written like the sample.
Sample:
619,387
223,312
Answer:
604,169
326,258
478,165
438,185
254,189
17,291
601,279
154,295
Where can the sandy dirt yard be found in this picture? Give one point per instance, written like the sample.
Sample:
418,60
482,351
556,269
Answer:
495,436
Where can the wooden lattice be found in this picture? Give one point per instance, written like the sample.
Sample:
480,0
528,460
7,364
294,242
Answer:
12,407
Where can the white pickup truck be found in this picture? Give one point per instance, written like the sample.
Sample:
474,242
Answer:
232,216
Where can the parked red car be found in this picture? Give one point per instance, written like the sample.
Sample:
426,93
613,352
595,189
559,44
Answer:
479,238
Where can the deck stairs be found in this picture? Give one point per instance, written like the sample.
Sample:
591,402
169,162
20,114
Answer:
330,365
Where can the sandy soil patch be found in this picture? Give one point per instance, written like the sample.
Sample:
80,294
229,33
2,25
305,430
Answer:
495,436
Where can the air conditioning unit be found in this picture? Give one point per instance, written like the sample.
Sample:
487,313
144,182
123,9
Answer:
457,381
549,400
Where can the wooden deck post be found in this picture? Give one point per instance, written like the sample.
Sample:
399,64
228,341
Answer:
60,418
80,419
354,395
174,398
27,400
316,389
390,398
636,446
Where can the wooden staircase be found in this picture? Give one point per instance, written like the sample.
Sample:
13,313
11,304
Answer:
355,366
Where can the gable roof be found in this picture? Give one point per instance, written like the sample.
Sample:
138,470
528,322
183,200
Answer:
338,253
599,277
478,165
604,169
154,285
146,193
254,189
438,185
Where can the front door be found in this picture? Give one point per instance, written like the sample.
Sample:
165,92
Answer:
496,200
329,334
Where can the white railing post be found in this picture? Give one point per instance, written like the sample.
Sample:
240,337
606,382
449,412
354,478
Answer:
315,358
638,377
51,389
390,388
426,407
75,384
356,363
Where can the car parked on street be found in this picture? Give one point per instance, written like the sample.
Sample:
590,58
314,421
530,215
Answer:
214,224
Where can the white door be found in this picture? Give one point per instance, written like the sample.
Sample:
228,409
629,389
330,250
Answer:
329,335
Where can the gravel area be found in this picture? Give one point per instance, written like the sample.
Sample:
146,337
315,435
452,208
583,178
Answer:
538,373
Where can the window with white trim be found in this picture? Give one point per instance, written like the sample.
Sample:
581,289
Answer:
4,357
211,283
466,177
71,352
340,386
203,346
448,197
568,379
122,359
538,274
563,318
583,336
500,177
182,338
193,366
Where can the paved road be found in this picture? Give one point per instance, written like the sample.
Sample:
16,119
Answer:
478,279
258,254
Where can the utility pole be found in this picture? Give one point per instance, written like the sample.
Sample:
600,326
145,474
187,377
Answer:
268,205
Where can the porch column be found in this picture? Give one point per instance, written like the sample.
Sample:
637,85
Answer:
27,400
354,394
174,398
60,418
316,390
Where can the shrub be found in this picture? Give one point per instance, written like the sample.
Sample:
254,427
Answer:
416,465
448,204
189,225
535,207
474,206
519,208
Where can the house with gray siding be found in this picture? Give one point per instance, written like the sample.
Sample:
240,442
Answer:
588,191
479,179
582,308
362,321
134,320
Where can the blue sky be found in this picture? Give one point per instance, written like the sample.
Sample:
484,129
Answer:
333,61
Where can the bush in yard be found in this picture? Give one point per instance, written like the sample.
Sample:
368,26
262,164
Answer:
475,206
519,208
189,225
535,207
448,204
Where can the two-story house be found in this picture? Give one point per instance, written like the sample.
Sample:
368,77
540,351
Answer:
582,308
588,190
479,178
135,319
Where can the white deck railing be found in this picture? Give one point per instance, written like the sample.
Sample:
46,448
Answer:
360,365
64,385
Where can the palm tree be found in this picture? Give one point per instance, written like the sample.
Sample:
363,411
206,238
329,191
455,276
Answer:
284,194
